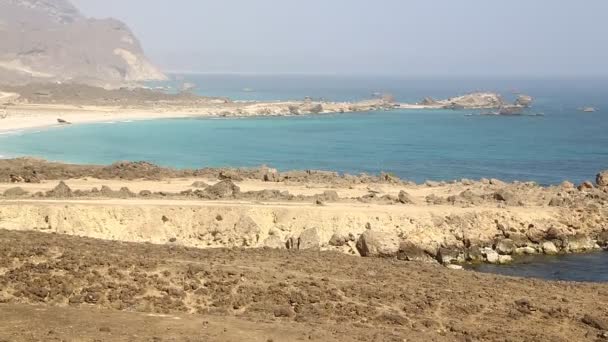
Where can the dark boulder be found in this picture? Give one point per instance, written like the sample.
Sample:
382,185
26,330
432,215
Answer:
62,190
223,189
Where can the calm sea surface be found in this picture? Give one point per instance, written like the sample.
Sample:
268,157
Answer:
415,144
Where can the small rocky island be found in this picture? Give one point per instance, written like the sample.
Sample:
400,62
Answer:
479,100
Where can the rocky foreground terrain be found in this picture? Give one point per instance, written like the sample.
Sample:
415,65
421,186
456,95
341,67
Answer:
60,288
137,252
382,216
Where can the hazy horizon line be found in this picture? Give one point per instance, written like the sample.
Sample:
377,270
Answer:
389,75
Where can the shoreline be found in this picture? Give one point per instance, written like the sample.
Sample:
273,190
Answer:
450,223
31,117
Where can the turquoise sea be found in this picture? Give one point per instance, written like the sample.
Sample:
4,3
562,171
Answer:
418,145
564,143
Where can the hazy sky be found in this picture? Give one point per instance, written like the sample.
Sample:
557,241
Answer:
405,37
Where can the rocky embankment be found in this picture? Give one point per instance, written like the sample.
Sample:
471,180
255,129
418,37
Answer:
481,100
447,222
62,288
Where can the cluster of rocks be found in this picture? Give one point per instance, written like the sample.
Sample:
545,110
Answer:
223,190
503,250
30,170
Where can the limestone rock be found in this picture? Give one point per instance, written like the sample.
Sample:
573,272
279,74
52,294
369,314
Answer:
338,240
524,101
309,239
549,248
455,267
410,252
585,186
60,191
602,179
566,185
525,251
223,189
595,322
579,243
505,259
449,255
378,244
15,192
474,254
505,247
247,230
491,255
274,242
199,185
229,175
560,201
602,239
405,198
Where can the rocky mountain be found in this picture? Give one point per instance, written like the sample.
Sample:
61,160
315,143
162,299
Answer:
50,40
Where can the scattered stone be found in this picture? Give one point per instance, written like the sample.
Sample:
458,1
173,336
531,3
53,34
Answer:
145,193
474,255
410,252
107,191
274,242
566,185
549,248
329,196
309,239
16,179
491,255
602,179
524,101
434,199
602,239
595,322
448,255
15,192
230,175
535,235
585,186
283,312
60,191
579,243
505,247
338,240
560,201
199,185
525,251
125,192
378,244
223,189
405,198
505,259
455,267
248,231
497,182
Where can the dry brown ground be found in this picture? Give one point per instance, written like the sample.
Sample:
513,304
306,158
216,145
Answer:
61,288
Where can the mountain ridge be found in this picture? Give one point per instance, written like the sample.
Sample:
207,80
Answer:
52,41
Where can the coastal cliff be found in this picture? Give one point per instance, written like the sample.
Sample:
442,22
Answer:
377,216
50,41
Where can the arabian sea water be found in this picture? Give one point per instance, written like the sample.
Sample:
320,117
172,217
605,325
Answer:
414,144
564,144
